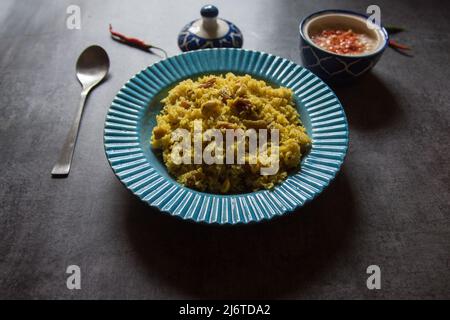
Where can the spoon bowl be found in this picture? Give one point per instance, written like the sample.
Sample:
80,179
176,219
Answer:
92,66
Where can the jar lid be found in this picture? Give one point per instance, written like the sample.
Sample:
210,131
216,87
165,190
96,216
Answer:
209,32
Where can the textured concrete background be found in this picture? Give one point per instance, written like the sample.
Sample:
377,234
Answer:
389,206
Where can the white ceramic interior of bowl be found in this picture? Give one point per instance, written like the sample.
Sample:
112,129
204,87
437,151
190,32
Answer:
344,21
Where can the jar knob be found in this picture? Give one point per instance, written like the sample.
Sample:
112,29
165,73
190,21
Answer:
209,11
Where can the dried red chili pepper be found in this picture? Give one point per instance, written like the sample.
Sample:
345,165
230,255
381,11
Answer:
396,45
135,42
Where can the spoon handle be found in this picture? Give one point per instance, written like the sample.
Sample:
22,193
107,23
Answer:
62,167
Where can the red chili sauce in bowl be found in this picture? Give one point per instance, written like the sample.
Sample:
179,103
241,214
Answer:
345,42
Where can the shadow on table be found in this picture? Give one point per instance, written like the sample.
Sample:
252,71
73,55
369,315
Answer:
265,260
369,103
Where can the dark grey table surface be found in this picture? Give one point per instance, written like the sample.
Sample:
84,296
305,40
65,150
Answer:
389,206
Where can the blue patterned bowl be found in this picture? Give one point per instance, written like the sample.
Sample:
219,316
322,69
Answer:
131,118
333,67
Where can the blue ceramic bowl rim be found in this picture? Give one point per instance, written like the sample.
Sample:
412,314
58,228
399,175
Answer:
231,196
349,12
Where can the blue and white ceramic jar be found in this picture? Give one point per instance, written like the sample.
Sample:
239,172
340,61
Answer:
209,32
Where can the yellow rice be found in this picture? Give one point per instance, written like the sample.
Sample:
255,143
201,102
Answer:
230,102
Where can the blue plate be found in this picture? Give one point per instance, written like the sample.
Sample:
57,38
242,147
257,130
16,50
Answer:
132,116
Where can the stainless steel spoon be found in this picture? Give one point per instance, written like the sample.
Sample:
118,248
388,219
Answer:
92,67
